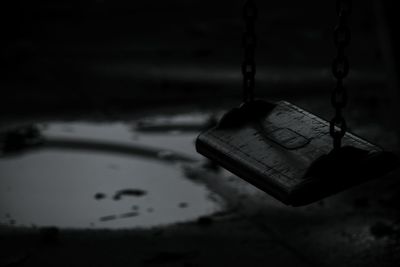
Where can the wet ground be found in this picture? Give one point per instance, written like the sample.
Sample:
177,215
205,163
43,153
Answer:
59,197
102,87
102,176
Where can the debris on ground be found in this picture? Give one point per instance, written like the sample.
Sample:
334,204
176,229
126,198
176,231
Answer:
129,192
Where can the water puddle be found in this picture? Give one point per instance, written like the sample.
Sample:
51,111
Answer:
105,175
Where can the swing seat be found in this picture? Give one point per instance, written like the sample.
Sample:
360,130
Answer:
287,152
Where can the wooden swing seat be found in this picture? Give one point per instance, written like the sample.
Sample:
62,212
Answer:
287,152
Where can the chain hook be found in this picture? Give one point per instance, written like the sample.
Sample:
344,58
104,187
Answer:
249,45
340,70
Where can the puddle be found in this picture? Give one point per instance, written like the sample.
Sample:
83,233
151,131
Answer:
107,175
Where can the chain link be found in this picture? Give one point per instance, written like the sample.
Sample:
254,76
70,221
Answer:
340,70
249,45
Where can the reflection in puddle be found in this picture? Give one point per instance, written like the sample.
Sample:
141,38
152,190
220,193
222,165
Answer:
79,181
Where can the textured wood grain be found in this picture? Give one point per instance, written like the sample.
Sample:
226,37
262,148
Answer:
275,153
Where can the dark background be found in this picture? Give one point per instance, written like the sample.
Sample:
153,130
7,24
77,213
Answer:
95,54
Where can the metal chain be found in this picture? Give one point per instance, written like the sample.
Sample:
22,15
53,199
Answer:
249,44
340,70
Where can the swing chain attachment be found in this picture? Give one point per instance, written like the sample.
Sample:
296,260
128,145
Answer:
249,45
340,70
